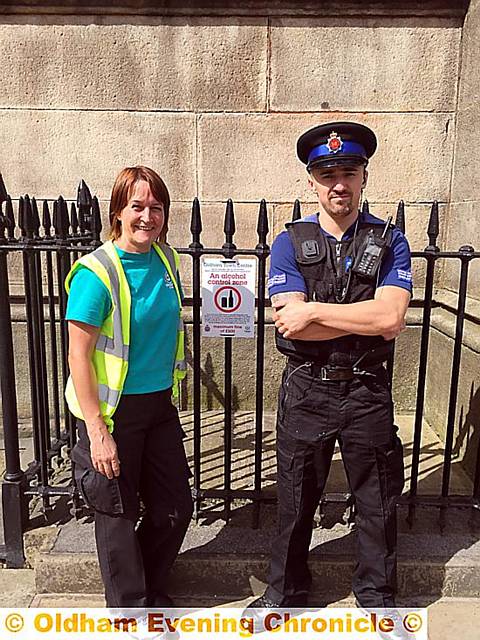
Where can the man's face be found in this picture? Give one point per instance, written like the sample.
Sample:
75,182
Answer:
338,188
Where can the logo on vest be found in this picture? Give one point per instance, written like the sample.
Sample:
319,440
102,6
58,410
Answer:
168,281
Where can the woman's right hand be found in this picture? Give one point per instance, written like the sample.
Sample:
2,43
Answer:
103,451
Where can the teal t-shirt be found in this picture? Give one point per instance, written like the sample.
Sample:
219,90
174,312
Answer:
153,320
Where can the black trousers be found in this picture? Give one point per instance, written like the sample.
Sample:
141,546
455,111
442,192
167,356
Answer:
312,415
135,559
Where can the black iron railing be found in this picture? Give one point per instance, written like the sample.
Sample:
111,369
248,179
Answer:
49,246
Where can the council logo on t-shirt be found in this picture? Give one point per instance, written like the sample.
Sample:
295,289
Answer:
168,281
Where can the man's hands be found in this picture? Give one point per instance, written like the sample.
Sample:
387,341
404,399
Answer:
391,335
293,318
103,451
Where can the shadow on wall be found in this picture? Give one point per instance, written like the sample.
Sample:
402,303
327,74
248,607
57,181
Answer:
469,435
211,395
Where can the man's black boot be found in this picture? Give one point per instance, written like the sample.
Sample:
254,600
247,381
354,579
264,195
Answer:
260,608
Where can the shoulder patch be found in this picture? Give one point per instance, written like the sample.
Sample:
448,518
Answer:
280,278
404,274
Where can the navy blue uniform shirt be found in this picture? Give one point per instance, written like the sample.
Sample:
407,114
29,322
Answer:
284,277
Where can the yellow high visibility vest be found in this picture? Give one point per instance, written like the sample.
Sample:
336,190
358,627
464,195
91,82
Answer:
110,357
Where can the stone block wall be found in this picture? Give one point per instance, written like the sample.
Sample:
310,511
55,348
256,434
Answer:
216,103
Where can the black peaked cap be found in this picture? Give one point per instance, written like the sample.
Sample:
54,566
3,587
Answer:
347,131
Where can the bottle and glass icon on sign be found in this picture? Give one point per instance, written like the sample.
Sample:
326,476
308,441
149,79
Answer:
227,300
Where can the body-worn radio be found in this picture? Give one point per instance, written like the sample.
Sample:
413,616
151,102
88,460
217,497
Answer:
370,253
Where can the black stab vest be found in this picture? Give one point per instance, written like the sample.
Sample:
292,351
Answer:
321,261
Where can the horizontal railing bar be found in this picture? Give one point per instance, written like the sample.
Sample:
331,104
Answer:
47,248
64,245
437,501
445,254
341,498
50,490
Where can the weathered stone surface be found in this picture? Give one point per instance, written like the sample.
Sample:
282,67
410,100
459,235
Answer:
378,65
17,587
407,351
228,561
151,64
282,213
47,152
463,225
22,371
463,229
466,170
416,225
248,157
57,573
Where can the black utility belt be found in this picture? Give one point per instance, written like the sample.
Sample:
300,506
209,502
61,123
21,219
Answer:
328,372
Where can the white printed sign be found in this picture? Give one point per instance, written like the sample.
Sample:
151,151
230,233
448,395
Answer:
228,297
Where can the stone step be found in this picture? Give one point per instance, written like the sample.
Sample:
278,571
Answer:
230,562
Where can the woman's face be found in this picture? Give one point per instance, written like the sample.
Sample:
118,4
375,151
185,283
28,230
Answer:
142,220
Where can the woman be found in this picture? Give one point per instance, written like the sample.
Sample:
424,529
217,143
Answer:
126,357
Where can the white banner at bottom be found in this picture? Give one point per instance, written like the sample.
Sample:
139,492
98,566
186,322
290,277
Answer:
225,623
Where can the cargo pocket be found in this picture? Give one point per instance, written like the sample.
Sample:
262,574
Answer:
304,409
97,491
289,475
394,467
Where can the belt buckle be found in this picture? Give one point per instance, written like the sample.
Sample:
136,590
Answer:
324,371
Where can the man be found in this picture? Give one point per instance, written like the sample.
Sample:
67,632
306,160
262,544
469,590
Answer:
340,285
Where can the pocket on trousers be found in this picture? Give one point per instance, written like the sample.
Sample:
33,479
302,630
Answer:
100,493
97,491
290,470
285,456
374,390
394,467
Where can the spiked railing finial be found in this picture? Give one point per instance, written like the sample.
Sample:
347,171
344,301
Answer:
400,218
433,225
297,212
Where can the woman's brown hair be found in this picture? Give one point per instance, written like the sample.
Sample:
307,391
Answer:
122,191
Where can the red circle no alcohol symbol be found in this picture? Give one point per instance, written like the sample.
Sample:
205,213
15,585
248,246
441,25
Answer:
227,299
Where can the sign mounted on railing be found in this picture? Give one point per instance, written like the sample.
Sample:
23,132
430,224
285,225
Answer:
228,298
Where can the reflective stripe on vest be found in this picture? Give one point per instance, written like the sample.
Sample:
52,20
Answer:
109,396
114,345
